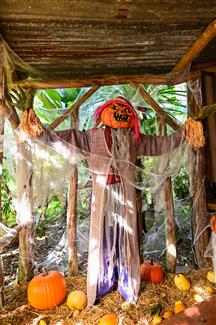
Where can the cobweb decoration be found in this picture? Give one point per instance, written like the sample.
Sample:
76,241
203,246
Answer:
48,163
52,167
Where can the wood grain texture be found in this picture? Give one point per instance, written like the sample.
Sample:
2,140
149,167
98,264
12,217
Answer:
68,39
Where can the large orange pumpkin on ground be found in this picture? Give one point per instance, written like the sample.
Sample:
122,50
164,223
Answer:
46,290
109,319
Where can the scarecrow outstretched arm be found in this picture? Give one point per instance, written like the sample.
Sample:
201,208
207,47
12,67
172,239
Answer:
72,139
79,140
150,145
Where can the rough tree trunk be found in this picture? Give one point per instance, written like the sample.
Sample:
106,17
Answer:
72,223
24,213
72,213
199,213
2,95
170,219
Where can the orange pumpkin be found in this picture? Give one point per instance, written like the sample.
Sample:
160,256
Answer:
167,314
145,271
118,115
46,290
213,223
157,274
152,273
109,319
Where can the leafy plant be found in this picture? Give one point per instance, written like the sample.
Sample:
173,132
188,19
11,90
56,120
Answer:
181,184
8,205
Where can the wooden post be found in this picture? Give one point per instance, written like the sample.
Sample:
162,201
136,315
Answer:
140,215
24,197
199,212
24,213
170,219
72,223
72,213
156,108
2,95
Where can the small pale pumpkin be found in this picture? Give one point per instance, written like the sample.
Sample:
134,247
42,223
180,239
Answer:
198,298
76,299
211,277
46,290
42,322
156,320
109,319
181,282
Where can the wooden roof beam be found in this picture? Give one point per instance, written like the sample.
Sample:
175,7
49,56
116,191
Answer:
105,80
202,41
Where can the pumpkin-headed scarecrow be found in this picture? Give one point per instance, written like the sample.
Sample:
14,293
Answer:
111,153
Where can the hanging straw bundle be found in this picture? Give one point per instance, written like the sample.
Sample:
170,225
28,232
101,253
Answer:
193,132
30,124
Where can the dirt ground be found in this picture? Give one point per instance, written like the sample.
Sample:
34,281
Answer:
154,299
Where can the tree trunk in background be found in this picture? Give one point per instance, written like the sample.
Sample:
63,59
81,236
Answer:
170,218
2,95
24,213
200,218
1,159
140,215
72,214
72,223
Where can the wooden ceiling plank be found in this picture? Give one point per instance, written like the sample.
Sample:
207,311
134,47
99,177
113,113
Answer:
202,41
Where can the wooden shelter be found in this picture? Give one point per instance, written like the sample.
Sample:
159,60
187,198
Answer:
94,43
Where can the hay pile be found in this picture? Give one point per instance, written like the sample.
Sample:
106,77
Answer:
154,299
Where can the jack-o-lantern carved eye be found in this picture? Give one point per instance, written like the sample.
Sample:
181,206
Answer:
118,115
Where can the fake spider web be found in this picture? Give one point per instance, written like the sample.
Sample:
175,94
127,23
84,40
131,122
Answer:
51,167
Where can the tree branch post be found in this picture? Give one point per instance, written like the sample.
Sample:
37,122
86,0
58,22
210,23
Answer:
199,211
169,218
72,211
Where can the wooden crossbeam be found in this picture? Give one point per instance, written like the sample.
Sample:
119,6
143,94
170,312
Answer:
75,106
150,101
108,80
202,41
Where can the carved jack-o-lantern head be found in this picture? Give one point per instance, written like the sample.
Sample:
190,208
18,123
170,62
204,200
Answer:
118,113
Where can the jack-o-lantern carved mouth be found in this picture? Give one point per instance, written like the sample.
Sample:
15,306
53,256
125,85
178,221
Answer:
120,117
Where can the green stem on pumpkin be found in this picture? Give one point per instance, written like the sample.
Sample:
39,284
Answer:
43,270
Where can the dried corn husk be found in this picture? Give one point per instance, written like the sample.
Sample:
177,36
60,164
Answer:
30,124
193,131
